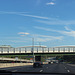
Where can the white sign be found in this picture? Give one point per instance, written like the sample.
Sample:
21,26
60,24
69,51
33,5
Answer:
16,58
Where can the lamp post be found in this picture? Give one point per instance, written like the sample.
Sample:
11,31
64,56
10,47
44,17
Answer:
33,49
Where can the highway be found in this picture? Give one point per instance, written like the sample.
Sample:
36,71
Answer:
47,68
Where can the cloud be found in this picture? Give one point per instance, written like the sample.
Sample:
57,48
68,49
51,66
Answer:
17,41
46,38
67,33
42,38
4,12
50,3
34,16
24,14
42,28
67,28
11,40
46,20
57,22
24,33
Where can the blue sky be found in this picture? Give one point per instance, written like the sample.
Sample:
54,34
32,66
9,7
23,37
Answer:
49,22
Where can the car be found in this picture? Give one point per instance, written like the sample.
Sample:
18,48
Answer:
41,63
37,64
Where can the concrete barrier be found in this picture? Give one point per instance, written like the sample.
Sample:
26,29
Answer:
45,62
71,65
3,65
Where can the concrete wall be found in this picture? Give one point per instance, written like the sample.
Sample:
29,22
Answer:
3,65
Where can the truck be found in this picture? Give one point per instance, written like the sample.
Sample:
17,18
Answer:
37,62
37,58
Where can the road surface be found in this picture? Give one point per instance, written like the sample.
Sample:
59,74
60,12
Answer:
51,68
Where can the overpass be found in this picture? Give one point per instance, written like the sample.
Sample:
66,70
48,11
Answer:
37,50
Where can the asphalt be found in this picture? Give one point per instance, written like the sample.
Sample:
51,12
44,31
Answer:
47,68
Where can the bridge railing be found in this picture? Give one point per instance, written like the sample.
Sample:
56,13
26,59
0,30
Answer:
36,50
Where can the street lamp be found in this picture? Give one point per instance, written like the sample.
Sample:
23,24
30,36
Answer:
33,49
39,44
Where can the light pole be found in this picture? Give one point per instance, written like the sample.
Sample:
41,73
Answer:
39,44
33,49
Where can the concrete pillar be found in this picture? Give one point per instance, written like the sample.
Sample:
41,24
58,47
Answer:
53,49
2,50
73,49
19,50
42,50
8,50
14,49
37,50
59,49
64,49
68,49
48,50
25,50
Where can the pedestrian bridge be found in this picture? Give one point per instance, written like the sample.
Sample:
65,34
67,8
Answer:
37,49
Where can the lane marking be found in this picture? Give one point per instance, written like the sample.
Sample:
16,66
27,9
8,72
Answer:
65,67
68,70
14,71
10,67
2,69
41,70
